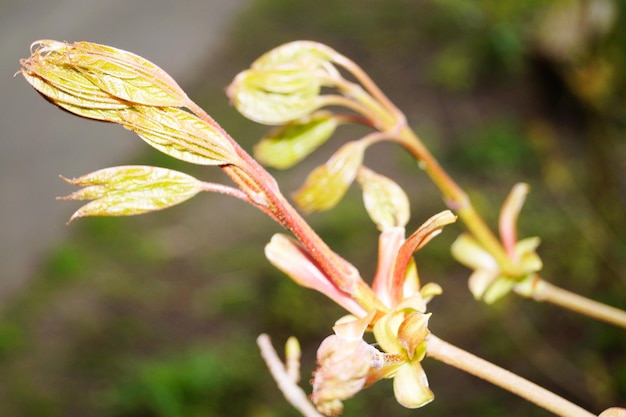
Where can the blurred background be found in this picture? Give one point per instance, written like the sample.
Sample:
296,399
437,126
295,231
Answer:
157,315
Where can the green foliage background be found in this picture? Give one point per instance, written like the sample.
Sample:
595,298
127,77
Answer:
156,316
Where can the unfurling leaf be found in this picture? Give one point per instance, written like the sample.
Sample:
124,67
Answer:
301,54
385,201
86,75
287,145
181,135
130,190
284,84
276,96
327,184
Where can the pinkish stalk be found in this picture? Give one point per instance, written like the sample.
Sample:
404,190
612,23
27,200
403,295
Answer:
263,192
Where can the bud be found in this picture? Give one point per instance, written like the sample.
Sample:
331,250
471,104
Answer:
293,353
130,190
342,368
287,145
327,184
343,364
86,75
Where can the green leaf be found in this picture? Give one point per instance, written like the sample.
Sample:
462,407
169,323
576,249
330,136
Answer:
286,146
276,96
66,85
126,75
327,184
89,75
385,201
299,53
181,135
130,190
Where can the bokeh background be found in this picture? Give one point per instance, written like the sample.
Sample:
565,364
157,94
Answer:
157,315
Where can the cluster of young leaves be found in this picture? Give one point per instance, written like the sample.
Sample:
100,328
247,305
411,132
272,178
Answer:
107,84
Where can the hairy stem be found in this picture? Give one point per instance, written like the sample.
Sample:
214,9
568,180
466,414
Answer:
264,193
465,361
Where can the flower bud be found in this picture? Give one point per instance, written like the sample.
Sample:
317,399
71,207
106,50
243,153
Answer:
344,361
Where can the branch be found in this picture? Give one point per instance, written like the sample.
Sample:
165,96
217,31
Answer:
287,385
543,291
465,361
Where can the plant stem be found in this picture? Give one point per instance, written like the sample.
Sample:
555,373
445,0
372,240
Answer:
292,392
543,291
465,361
393,121
456,199
263,192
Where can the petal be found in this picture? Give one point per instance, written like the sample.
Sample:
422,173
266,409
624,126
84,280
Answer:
353,328
480,281
500,287
413,331
290,257
389,242
430,290
526,255
386,332
508,216
467,251
428,230
410,386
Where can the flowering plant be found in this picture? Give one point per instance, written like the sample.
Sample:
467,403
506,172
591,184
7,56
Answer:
291,88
